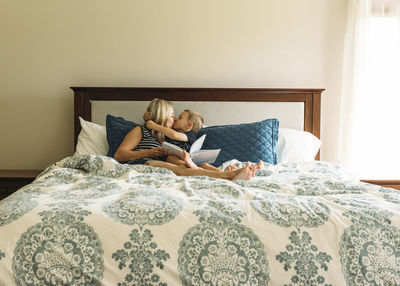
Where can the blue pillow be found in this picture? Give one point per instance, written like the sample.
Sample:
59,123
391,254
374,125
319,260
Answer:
117,128
244,142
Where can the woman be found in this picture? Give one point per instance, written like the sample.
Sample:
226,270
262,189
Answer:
142,146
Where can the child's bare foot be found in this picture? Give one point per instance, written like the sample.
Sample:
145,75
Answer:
188,160
245,173
230,168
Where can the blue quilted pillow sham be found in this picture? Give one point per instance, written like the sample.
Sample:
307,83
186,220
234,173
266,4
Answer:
117,128
244,142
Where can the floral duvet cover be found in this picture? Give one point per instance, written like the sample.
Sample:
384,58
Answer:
88,220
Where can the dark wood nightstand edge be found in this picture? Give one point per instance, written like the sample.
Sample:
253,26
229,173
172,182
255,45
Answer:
395,184
19,174
12,180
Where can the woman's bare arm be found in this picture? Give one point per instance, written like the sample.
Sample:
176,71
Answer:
170,133
131,140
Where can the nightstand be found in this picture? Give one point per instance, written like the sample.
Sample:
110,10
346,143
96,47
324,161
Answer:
12,180
395,184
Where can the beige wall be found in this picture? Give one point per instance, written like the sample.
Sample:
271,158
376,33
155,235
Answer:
47,46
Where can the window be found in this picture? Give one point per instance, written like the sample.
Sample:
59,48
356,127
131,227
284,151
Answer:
375,148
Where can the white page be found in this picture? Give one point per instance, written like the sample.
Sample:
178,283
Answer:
196,146
207,156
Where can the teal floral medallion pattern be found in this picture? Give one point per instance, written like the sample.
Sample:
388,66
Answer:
230,256
344,187
315,186
289,210
219,213
96,165
364,211
370,248
211,188
92,188
86,163
155,180
296,211
57,178
391,195
146,169
305,259
62,250
15,206
260,185
149,206
220,251
370,255
143,256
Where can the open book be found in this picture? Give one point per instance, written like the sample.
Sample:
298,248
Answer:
198,156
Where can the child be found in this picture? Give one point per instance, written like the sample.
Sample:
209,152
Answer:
183,134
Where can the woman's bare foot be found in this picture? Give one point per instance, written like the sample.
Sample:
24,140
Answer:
188,160
245,173
258,166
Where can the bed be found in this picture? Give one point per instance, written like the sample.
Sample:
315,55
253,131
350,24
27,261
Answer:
88,220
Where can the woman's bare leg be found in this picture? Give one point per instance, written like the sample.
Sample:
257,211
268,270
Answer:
245,173
175,160
210,167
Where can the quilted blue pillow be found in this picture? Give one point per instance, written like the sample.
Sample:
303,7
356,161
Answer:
244,142
117,128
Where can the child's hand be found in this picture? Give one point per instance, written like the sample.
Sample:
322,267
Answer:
150,124
146,116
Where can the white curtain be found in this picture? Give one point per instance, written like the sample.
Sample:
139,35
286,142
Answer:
370,104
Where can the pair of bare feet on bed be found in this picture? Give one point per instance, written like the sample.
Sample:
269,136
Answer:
245,173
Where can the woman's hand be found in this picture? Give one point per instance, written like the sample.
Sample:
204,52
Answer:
157,152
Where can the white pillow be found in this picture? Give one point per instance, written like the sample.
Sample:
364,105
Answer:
296,146
92,139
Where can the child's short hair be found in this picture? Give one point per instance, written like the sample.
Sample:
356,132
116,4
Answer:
196,119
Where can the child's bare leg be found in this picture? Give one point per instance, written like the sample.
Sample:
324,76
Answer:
188,160
175,160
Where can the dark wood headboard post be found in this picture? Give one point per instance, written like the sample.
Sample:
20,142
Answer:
315,117
317,114
78,111
310,97
82,108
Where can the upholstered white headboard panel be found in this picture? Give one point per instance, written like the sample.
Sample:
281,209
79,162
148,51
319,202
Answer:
290,114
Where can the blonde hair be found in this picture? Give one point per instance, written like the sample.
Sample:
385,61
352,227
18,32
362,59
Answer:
196,119
159,110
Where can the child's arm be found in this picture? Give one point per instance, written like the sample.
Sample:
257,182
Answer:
170,133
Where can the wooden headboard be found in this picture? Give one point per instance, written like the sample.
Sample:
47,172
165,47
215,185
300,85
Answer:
83,96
